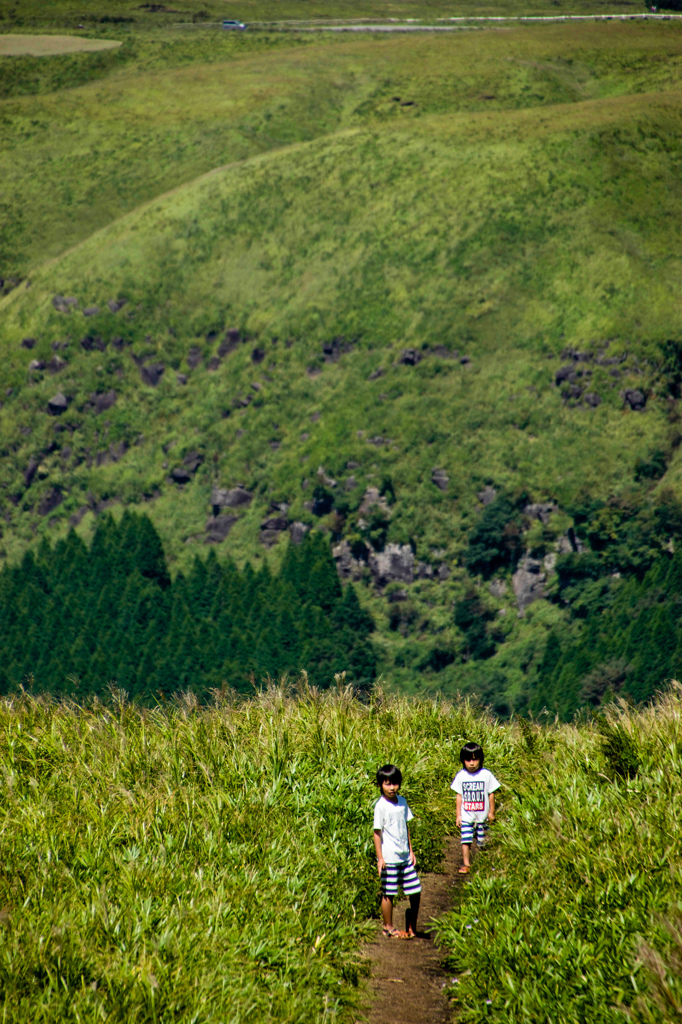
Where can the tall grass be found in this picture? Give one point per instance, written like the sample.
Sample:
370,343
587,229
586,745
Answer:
204,864
573,915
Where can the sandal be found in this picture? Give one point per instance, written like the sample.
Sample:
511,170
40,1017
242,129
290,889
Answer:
395,933
464,870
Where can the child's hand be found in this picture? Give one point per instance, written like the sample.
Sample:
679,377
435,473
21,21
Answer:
381,864
459,820
413,858
491,816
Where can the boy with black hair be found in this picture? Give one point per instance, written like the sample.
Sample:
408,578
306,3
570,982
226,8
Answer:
396,861
475,787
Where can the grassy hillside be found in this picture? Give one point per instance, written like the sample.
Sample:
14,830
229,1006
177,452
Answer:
494,204
178,864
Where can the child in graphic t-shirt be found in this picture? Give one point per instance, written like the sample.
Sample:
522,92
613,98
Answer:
395,858
475,788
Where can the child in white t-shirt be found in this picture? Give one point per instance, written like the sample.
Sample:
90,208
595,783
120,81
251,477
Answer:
395,857
475,788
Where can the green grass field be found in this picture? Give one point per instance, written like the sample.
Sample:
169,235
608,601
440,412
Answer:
176,864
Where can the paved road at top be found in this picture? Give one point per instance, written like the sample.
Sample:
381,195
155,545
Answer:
453,24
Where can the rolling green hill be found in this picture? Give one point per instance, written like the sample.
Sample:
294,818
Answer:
379,285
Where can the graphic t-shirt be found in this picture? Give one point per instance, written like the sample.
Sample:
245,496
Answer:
474,788
392,819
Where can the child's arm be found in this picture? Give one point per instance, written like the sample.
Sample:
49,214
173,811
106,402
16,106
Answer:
491,812
381,863
412,856
459,808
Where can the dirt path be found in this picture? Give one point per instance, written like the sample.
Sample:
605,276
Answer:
407,978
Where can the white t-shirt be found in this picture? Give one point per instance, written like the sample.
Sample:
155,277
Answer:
392,819
474,788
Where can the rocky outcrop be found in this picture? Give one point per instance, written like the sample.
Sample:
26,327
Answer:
297,532
348,567
487,495
540,510
151,373
635,399
372,499
236,497
63,304
57,405
395,563
528,582
410,357
440,478
100,403
218,527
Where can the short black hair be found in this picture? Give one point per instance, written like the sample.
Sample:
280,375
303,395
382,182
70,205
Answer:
389,773
472,752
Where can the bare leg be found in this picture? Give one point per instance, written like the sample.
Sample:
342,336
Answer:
412,914
466,857
387,911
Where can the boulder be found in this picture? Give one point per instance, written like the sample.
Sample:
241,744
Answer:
258,355
63,304
564,373
321,504
497,588
101,403
276,524
180,475
116,304
465,360
56,364
592,399
192,461
57,405
90,342
193,357
425,571
410,357
297,532
28,343
487,495
347,567
91,311
395,562
328,480
50,501
181,378
152,373
635,399
213,363
528,582
332,350
218,527
371,499
443,572
230,342
350,484
30,471
440,478
541,510
35,365
237,497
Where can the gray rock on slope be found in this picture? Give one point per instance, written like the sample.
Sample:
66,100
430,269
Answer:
528,582
236,497
395,562
440,478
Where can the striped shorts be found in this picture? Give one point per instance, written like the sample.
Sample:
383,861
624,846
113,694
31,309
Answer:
468,829
395,876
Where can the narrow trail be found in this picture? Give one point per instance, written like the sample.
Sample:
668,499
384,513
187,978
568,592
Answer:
408,980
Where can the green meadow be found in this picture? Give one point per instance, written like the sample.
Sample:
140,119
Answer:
496,200
211,864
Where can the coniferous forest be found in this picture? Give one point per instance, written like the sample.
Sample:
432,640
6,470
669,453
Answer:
77,620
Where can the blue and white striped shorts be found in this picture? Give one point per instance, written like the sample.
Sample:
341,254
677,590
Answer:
393,876
468,829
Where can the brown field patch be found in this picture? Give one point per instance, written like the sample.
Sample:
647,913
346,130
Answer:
47,46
